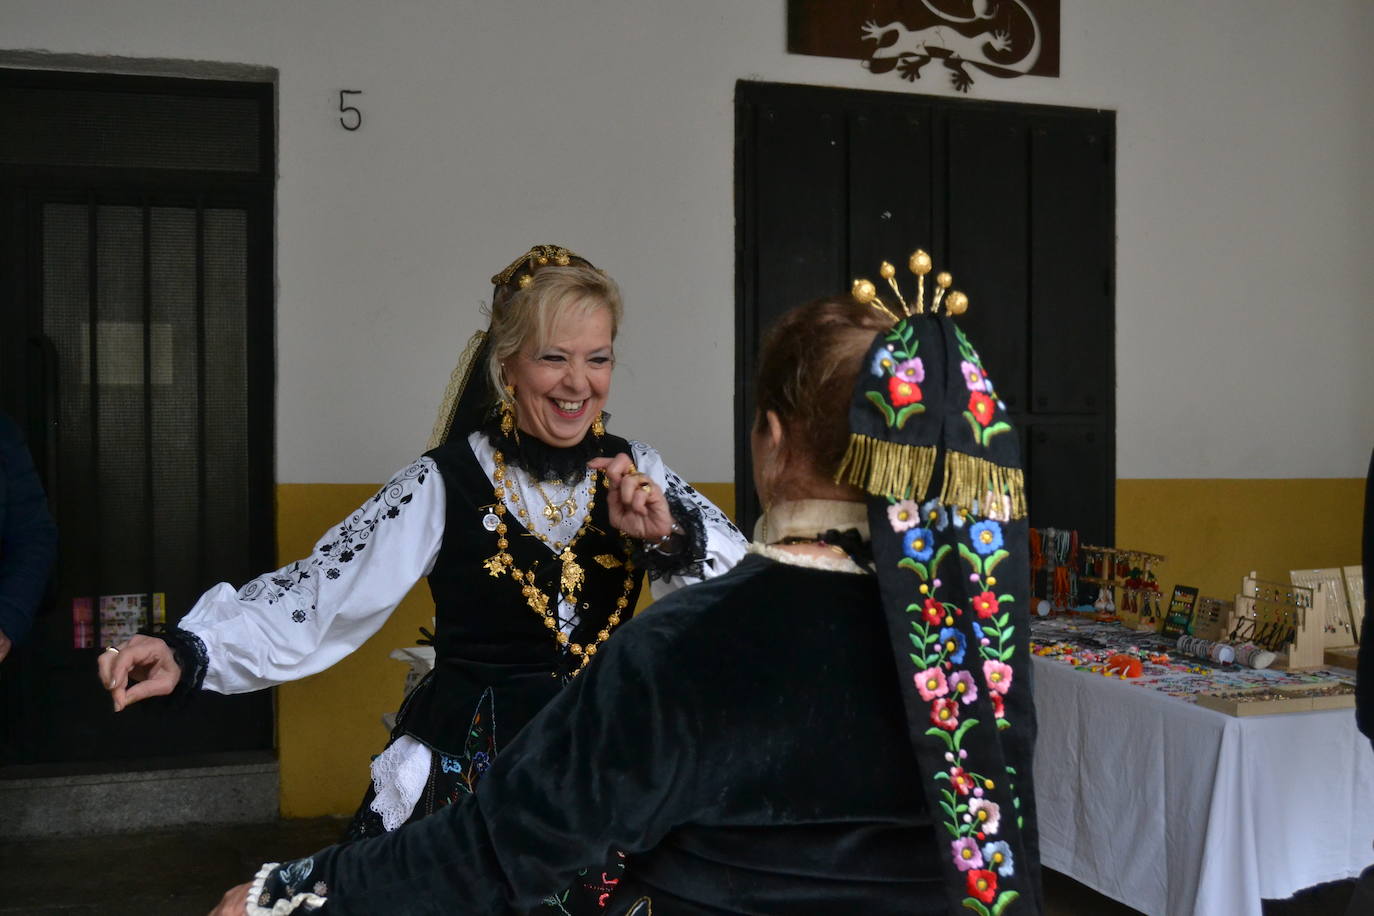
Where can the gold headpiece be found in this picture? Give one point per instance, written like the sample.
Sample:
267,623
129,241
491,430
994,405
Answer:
537,257
956,303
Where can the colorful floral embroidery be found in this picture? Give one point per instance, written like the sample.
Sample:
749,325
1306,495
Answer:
945,714
948,665
903,515
882,362
903,369
982,402
932,684
953,644
998,856
985,604
967,855
983,885
903,392
911,370
987,539
974,377
982,408
919,544
963,687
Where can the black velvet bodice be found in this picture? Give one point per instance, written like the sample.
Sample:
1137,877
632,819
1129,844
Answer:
740,740
486,634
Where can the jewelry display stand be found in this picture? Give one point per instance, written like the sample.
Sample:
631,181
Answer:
1054,557
1110,569
1330,602
1280,617
1339,598
1212,619
1332,608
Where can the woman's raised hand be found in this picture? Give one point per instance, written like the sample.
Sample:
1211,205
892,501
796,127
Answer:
146,659
637,506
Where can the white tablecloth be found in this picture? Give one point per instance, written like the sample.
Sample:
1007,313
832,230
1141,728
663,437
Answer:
1174,809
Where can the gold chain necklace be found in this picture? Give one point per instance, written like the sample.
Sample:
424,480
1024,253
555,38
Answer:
556,512
572,578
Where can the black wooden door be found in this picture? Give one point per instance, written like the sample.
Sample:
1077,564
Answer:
1017,201
135,296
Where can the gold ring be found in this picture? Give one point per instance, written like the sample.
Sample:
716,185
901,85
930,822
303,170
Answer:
112,649
647,487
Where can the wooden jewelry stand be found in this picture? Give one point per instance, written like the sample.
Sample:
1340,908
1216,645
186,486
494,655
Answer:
1332,603
1139,607
1212,619
1280,617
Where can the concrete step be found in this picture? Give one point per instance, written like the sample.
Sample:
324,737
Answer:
141,795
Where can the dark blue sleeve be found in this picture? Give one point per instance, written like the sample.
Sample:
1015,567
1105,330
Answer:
28,537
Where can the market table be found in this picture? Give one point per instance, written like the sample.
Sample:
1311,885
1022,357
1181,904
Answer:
1175,809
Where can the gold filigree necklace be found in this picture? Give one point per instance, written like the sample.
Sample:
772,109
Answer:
573,576
556,512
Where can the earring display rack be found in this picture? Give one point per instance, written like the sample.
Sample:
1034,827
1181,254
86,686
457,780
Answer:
1278,616
1130,572
1212,618
1331,602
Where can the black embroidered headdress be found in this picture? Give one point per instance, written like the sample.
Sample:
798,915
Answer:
932,446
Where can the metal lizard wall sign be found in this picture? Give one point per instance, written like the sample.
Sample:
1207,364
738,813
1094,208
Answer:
922,38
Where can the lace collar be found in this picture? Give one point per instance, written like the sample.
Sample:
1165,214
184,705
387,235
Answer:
543,462
805,518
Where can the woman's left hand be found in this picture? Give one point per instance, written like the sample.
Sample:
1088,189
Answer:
234,902
637,506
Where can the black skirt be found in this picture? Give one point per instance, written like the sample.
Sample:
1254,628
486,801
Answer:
452,776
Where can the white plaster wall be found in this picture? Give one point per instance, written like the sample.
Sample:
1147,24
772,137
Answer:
1244,302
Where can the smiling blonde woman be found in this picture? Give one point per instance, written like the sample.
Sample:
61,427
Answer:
534,526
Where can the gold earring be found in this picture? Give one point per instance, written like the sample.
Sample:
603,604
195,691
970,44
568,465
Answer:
508,411
598,426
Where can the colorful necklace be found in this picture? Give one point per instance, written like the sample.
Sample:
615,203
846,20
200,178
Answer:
571,580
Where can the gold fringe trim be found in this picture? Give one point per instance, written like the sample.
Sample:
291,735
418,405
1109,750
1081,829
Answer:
457,382
968,478
884,468
897,471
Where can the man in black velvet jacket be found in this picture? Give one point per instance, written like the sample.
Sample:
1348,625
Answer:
28,538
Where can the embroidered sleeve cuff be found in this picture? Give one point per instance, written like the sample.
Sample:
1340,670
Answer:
271,895
687,561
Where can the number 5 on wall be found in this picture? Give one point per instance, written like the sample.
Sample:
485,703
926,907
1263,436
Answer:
345,110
